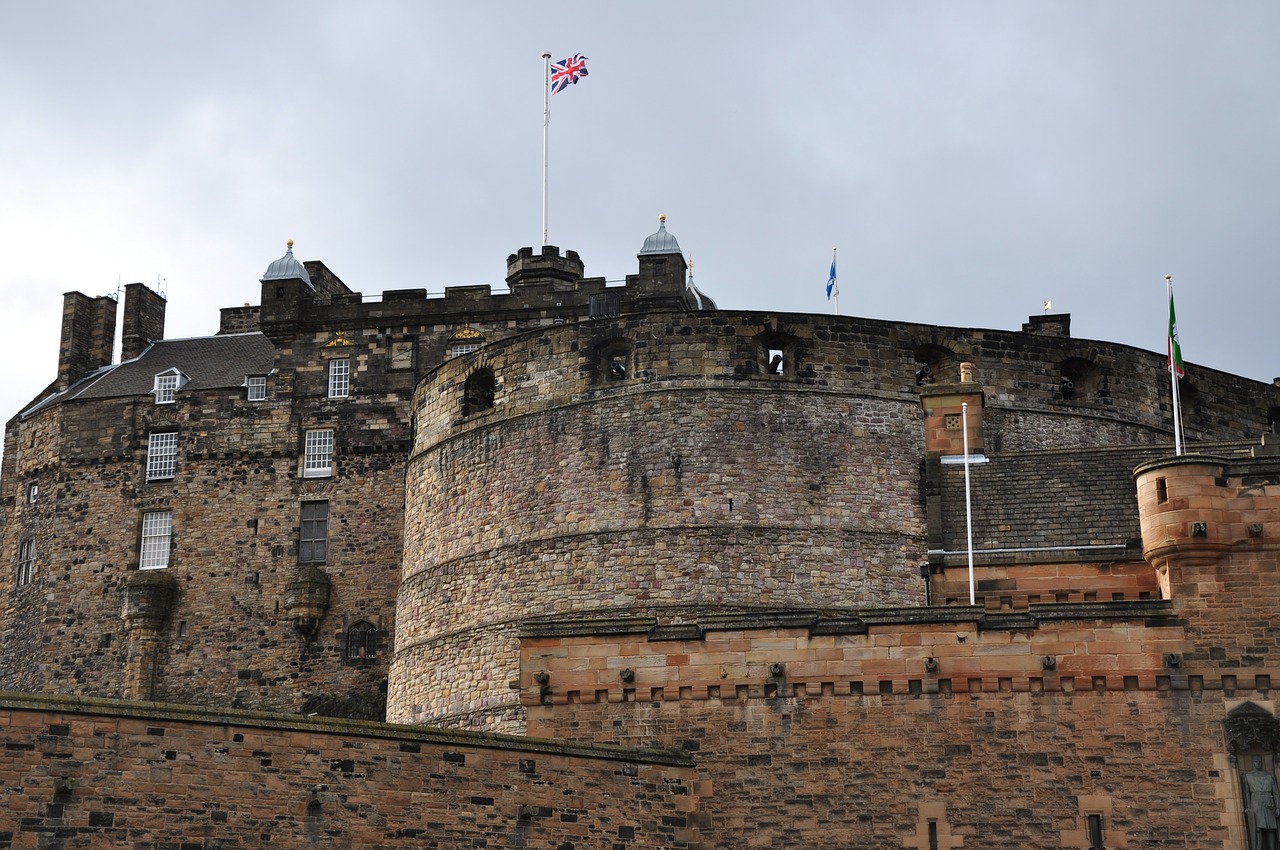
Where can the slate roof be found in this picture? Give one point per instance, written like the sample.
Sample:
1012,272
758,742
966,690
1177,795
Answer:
1082,497
209,362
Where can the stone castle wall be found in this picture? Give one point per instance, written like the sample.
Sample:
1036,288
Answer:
697,479
127,775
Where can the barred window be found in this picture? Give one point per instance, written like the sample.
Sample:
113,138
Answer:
256,387
317,454
313,540
362,642
339,378
26,561
162,456
157,535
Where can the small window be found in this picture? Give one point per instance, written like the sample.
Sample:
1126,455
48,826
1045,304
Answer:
339,378
165,387
458,349
1162,490
162,456
256,387
1094,825
33,492
26,561
317,454
362,642
479,391
313,539
157,537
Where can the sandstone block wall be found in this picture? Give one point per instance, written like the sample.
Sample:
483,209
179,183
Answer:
877,734
99,774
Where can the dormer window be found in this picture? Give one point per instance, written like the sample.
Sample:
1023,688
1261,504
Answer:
166,385
255,387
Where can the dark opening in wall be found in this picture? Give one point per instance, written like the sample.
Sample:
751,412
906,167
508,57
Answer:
614,361
935,365
478,391
775,354
1273,420
1079,380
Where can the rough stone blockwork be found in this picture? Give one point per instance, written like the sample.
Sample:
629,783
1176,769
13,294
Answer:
97,774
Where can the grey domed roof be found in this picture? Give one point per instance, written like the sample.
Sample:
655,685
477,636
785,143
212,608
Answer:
287,268
661,242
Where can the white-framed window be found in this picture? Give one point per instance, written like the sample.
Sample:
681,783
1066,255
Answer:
255,387
458,349
33,492
165,387
339,378
26,561
157,535
313,538
317,453
162,456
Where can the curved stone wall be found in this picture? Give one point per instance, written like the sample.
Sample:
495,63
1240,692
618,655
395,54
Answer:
658,464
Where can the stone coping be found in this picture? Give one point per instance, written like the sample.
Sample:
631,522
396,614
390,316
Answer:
179,713
851,622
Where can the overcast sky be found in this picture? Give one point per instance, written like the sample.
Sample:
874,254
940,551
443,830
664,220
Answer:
968,159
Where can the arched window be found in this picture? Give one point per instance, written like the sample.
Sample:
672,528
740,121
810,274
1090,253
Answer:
478,392
362,642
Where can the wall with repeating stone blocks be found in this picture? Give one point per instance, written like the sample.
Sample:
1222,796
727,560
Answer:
697,477
146,777
236,501
669,490
857,744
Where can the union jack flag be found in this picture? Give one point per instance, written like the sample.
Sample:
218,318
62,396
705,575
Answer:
567,71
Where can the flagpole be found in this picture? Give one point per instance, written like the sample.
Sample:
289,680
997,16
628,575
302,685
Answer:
1173,374
546,122
968,507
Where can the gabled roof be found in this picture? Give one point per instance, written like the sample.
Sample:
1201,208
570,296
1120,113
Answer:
208,362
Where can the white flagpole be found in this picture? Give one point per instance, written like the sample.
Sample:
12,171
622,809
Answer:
546,122
1173,376
968,509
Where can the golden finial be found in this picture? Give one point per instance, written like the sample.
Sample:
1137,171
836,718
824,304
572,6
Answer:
662,217
289,244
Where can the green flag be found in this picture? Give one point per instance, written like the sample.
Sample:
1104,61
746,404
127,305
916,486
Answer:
1175,350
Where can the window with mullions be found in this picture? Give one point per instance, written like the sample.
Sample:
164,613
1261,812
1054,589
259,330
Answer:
157,536
255,387
162,456
339,378
26,561
317,454
313,538
362,642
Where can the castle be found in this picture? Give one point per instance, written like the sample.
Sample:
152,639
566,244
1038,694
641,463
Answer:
591,565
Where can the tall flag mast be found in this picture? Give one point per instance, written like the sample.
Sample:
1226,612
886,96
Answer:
833,291
556,77
1176,369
